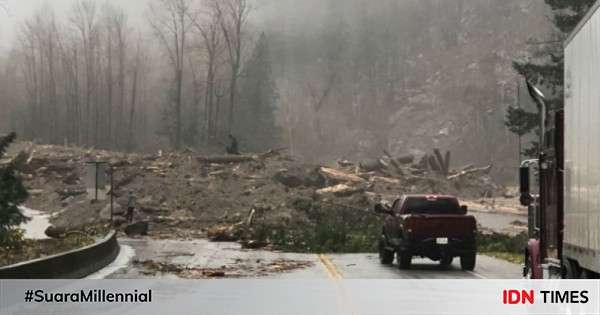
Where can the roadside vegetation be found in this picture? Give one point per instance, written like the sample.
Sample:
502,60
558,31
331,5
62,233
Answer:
14,247
12,194
24,249
330,228
502,246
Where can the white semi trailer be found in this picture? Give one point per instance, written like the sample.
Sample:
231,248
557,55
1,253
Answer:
581,244
565,214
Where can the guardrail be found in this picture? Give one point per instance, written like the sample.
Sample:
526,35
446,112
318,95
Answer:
73,264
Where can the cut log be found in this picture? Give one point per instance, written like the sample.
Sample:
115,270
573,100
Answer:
226,159
386,180
340,190
483,170
340,176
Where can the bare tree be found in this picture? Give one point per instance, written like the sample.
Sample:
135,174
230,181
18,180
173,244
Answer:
109,15
170,22
319,97
85,20
119,27
30,75
233,16
207,24
136,70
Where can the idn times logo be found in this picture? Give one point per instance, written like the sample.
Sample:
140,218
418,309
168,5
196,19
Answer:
513,296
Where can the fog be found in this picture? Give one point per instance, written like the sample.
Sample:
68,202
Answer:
325,79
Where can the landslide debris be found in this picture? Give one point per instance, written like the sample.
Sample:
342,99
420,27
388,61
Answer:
262,200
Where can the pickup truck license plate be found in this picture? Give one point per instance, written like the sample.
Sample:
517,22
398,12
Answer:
442,240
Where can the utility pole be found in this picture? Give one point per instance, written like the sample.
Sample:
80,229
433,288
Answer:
519,107
112,193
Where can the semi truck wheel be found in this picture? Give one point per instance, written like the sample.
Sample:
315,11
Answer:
570,270
386,257
404,260
467,262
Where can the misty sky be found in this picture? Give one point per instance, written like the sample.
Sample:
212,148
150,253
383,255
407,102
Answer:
18,10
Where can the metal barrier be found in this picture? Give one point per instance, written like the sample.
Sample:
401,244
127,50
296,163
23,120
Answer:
73,264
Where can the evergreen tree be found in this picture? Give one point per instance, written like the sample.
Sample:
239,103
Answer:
12,193
256,126
546,69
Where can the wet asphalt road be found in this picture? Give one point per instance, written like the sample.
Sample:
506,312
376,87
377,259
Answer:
205,254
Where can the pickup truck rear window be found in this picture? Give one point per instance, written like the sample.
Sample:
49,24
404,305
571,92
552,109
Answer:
431,206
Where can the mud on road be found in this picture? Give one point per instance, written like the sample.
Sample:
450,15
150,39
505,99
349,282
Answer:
200,259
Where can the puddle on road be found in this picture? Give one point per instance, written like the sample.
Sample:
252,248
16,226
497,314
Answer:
35,228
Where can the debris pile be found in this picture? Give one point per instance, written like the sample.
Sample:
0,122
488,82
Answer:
239,269
259,199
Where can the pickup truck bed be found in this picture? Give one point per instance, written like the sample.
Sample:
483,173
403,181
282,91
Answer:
435,227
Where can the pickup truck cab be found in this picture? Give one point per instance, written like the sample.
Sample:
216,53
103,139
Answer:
431,226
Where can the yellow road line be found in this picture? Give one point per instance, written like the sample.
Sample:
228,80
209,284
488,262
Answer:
345,305
332,271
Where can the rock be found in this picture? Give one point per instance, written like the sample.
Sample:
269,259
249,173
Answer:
371,165
138,228
55,232
300,176
68,192
118,221
148,205
288,180
71,179
105,212
67,201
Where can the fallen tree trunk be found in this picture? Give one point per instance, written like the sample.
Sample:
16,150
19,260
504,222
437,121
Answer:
340,190
386,180
226,159
484,170
336,175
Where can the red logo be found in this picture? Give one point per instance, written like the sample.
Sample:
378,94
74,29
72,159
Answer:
518,297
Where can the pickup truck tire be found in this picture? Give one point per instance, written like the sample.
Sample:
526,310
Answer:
386,257
404,260
467,261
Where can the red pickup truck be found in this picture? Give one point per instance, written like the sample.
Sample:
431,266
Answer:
431,226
